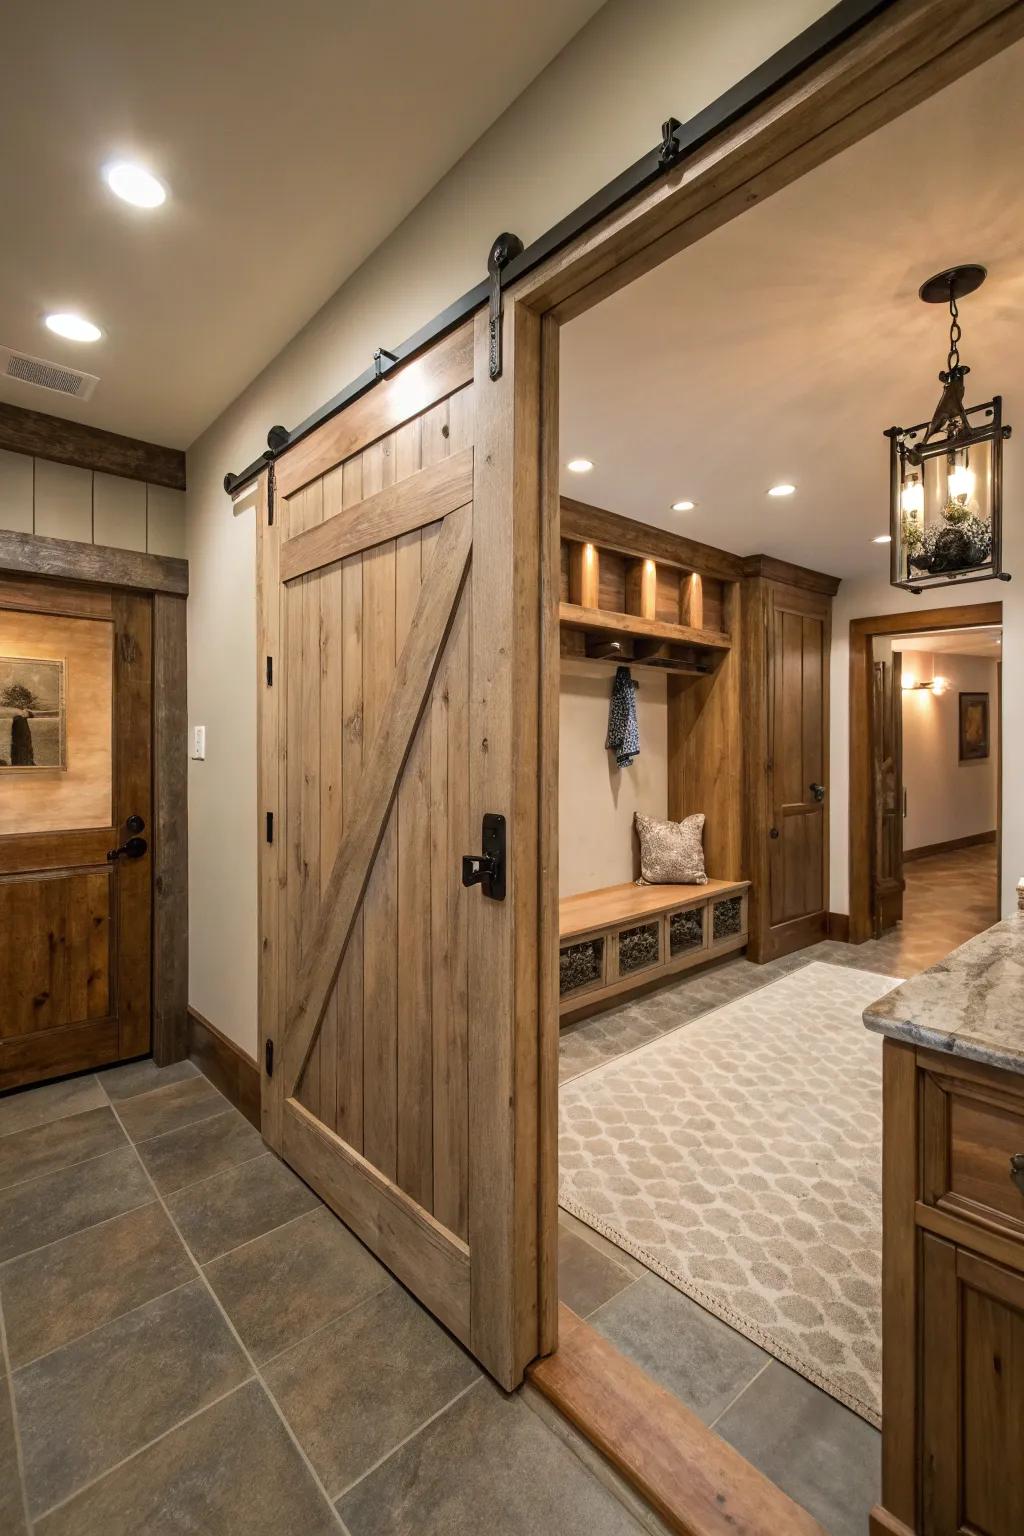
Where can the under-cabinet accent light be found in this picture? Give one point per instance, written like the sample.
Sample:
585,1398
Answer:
580,466
134,184
73,327
882,538
683,506
785,489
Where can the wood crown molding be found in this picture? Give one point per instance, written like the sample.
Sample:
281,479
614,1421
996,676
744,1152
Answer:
33,554
925,620
596,525
73,442
793,575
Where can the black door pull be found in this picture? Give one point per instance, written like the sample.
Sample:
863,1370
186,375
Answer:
487,869
134,848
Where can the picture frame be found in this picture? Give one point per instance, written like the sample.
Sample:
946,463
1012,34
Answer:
33,715
974,727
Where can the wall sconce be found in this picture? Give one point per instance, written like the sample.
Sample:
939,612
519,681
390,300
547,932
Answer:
936,685
946,475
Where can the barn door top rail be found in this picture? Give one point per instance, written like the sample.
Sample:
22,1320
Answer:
678,140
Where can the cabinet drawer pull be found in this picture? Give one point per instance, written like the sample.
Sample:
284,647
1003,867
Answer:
1017,1170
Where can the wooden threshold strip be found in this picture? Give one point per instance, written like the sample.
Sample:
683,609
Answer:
689,1475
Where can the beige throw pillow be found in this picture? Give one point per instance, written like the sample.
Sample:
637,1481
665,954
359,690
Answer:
671,852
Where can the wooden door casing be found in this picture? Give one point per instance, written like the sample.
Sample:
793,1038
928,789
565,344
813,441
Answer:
75,929
887,761
381,745
798,649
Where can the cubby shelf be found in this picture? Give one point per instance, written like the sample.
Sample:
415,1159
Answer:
600,621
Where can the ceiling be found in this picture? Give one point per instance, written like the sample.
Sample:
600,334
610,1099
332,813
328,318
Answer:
780,347
986,640
293,140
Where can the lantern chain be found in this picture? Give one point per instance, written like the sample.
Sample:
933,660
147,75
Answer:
955,333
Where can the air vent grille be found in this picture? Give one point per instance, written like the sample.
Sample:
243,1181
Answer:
46,375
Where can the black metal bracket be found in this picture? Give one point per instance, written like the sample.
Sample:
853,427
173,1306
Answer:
487,869
670,146
383,361
277,438
270,671
505,249
270,826
268,1057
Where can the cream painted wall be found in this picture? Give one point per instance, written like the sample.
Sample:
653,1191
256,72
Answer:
946,799
64,502
597,108
596,799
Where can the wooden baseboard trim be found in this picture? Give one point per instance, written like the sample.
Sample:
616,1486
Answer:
688,1475
228,1067
881,1523
976,838
839,927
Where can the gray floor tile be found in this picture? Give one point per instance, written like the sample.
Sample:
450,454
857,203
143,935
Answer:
68,1288
12,1504
197,1151
89,1405
233,1468
169,1108
587,1278
625,1260
137,1077
61,1203
696,1356
280,1288
356,1389
57,1144
820,1453
32,1106
234,1207
488,1464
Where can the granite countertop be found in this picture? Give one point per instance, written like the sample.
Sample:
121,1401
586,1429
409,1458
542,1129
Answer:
970,1004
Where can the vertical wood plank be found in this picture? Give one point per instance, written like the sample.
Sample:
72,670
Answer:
380,904
292,860
331,770
349,990
309,903
271,601
170,832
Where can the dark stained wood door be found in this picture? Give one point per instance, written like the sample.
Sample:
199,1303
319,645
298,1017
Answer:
75,925
798,649
887,763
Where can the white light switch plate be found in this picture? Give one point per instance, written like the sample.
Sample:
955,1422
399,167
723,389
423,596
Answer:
199,743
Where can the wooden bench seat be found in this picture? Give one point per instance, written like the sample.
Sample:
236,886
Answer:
625,936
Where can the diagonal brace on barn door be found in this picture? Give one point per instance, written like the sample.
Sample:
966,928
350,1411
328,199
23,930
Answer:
410,690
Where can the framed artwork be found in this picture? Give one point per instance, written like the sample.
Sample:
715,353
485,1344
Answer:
33,715
974,742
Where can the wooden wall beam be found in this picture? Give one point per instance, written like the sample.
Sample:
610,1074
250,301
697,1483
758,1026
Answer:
73,442
597,525
32,554
170,832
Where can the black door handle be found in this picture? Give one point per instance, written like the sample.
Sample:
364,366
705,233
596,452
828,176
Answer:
134,848
818,791
487,869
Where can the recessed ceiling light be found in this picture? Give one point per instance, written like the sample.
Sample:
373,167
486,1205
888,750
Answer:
580,466
73,328
134,184
781,490
683,506
882,538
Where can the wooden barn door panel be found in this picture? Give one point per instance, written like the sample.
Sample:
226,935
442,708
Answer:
382,1093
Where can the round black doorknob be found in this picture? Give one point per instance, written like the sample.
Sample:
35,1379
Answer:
773,832
135,825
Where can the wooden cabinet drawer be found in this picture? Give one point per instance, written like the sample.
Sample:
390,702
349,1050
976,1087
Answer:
973,1134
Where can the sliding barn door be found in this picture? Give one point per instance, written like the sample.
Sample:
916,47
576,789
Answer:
399,1006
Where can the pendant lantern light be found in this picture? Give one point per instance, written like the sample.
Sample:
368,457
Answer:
946,481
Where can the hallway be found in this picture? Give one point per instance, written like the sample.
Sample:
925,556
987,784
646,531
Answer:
192,1342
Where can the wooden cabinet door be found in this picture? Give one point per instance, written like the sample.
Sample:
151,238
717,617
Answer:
75,751
399,1007
972,1391
798,650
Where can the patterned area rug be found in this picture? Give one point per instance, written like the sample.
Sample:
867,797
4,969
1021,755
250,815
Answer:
739,1157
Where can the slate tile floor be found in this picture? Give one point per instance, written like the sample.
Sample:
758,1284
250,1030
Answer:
189,1341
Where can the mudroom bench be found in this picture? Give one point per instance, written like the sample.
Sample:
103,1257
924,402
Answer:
618,939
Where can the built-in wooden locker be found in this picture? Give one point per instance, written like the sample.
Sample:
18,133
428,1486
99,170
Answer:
787,618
